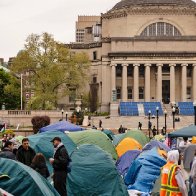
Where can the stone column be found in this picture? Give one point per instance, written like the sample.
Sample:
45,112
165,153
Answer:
147,82
159,82
124,82
184,83
194,82
113,77
172,83
136,82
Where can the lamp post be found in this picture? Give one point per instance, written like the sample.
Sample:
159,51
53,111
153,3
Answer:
173,113
66,113
165,112
149,124
157,110
194,104
62,111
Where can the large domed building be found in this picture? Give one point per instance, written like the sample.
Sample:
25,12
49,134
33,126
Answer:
146,53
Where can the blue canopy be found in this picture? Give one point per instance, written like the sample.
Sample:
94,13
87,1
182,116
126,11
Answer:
126,160
61,126
156,143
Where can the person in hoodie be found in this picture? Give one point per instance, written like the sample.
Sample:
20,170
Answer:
25,153
39,165
7,151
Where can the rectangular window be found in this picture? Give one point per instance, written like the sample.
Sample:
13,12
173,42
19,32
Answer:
95,55
130,92
141,71
130,71
141,92
118,92
189,72
119,70
188,92
94,79
72,95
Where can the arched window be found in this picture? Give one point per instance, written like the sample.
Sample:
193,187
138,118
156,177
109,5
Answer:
160,29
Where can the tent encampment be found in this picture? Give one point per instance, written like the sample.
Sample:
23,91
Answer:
184,132
94,173
23,180
94,137
155,143
61,126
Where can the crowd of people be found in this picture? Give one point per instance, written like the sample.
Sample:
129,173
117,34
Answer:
27,155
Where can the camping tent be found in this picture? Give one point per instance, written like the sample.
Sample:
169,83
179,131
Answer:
41,143
23,180
188,155
127,144
61,126
184,132
94,137
147,166
125,161
155,143
109,133
94,173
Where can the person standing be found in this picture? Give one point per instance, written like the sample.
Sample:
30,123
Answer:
100,123
60,162
140,126
7,151
25,153
39,165
154,131
192,180
172,181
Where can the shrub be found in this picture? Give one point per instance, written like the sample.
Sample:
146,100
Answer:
39,121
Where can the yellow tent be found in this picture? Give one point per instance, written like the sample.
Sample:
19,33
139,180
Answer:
127,144
194,140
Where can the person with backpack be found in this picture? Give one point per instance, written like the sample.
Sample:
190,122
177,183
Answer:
60,163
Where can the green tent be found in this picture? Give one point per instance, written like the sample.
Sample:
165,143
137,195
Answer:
23,181
94,137
109,133
184,132
135,134
94,173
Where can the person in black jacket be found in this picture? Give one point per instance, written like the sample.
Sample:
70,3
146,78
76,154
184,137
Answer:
25,153
7,151
60,162
39,165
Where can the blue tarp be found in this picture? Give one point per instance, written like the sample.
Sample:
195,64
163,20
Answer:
156,143
144,171
126,160
61,126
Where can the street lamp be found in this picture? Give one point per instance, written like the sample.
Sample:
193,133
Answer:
173,112
157,109
165,112
149,124
62,111
194,104
66,113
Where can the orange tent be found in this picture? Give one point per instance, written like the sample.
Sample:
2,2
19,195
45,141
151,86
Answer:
127,144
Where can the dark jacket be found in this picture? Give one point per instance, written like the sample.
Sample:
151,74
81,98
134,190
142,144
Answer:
61,159
25,156
7,153
42,169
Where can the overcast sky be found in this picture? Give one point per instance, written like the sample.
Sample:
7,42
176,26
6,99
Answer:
19,18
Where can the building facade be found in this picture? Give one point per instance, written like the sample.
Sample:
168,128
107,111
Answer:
147,52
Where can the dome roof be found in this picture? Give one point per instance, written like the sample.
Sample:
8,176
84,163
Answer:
129,3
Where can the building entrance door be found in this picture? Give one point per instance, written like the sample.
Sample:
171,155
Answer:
166,91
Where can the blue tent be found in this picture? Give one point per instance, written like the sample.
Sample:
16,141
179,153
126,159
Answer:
61,126
144,171
156,143
125,161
